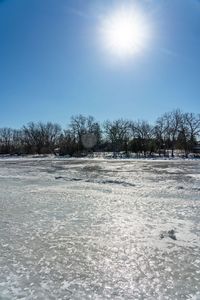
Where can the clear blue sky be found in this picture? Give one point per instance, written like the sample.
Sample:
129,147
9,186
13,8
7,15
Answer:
52,65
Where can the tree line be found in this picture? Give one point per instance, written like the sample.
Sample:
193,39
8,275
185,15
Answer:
171,131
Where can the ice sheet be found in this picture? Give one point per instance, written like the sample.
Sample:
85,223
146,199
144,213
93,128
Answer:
98,229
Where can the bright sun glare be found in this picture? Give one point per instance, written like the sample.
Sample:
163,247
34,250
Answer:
125,32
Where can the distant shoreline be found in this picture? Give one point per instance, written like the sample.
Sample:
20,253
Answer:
60,158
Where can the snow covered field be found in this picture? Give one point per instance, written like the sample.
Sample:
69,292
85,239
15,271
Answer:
99,229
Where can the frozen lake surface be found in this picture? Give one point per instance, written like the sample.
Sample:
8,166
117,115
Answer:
97,229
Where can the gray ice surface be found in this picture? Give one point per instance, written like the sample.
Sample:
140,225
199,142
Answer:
97,229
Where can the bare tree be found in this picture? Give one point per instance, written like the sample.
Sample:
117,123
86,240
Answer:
6,140
18,141
118,133
189,132
192,122
50,134
81,126
174,119
142,137
67,143
161,132
41,138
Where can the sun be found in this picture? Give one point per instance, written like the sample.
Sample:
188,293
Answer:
125,32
